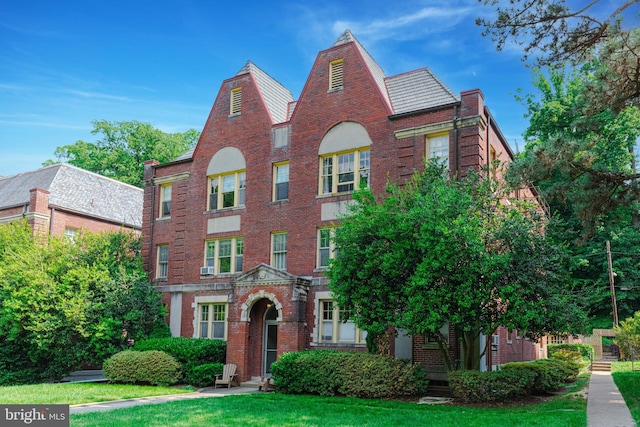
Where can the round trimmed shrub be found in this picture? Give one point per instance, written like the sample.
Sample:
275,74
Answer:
204,375
142,367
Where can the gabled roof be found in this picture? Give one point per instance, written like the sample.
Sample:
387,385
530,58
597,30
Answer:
77,190
418,90
376,71
276,96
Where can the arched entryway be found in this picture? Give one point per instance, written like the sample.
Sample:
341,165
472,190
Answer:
264,317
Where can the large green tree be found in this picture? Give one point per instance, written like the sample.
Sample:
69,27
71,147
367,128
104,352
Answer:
435,251
123,148
63,303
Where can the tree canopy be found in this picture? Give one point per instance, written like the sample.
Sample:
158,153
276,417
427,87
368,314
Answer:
438,251
63,302
123,148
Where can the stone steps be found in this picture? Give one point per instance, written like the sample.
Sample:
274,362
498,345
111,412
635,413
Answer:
601,366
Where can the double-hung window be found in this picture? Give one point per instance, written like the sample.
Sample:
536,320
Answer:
345,172
279,250
224,255
212,321
326,247
438,147
162,267
227,191
281,181
165,200
336,325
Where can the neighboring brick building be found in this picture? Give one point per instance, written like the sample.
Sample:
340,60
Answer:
237,232
63,199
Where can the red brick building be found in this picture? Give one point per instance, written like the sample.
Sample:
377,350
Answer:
63,199
237,232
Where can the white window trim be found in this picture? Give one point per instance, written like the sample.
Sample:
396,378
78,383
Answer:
163,192
317,314
210,299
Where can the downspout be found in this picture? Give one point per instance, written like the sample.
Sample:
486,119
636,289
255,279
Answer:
53,210
151,220
489,143
455,140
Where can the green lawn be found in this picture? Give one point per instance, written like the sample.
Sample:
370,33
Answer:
628,383
75,393
266,409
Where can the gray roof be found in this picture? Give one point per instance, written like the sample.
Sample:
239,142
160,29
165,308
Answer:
276,96
376,71
77,190
418,90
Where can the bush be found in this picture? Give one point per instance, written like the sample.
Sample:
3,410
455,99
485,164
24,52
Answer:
492,386
190,352
585,350
204,375
142,367
357,374
549,374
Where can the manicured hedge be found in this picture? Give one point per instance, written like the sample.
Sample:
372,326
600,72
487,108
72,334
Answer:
357,374
585,350
188,351
491,386
204,375
142,367
549,373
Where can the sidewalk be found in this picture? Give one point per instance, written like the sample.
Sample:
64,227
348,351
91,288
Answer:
605,404
127,403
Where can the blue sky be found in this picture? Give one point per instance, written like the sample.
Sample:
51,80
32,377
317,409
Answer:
64,64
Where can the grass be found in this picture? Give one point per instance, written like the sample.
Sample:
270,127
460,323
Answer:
75,393
266,409
628,383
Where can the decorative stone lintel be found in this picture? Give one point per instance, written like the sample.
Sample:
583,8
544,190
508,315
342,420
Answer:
448,125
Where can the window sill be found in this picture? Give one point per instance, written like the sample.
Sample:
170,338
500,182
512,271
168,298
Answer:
217,276
335,344
163,218
335,89
222,210
160,280
320,269
280,202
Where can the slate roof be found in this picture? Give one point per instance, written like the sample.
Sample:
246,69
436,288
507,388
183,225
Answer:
418,90
77,190
276,96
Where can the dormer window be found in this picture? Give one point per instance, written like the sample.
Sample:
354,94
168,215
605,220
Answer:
335,74
236,101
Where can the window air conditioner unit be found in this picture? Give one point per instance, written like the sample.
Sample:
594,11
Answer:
206,271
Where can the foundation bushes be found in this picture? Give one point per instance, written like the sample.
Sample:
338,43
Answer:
188,351
492,386
142,367
204,375
356,374
549,373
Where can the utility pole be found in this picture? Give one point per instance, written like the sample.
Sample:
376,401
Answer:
611,285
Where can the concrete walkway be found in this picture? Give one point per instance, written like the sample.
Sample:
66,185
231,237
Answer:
605,404
127,403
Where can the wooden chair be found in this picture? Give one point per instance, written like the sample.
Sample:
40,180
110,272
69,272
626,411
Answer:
227,377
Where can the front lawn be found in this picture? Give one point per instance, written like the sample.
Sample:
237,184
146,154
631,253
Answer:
267,409
75,393
628,383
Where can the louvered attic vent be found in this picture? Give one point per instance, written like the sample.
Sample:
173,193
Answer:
236,100
335,74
